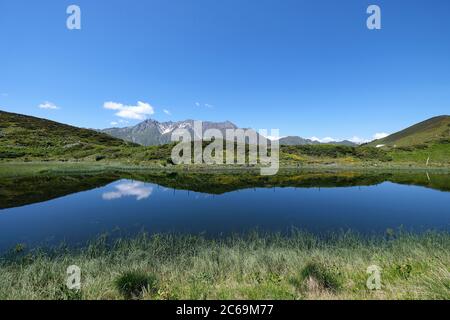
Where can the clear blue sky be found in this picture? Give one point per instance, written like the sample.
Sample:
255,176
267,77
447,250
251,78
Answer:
309,68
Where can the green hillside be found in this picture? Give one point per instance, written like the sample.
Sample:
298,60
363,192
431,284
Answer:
426,143
434,130
26,136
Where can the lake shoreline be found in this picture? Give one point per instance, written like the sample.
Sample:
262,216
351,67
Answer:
25,168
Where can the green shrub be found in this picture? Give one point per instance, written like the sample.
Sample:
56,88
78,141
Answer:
404,271
11,154
99,158
19,248
132,284
326,277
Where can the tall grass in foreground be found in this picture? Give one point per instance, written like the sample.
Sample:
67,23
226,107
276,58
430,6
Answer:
257,266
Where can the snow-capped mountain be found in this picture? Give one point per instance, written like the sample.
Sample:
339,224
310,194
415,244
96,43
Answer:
151,132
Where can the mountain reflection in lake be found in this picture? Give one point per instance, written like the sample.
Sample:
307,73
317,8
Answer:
48,210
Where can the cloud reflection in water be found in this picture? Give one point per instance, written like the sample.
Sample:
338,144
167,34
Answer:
129,189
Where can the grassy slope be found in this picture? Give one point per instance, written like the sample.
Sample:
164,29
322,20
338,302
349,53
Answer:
20,130
301,266
434,130
30,138
25,138
436,154
422,143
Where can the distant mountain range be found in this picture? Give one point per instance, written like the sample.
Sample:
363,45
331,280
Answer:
151,133
21,131
29,138
299,141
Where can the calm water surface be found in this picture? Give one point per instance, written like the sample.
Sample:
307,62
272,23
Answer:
127,207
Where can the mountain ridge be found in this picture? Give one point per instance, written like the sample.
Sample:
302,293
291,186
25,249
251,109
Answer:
299,141
151,132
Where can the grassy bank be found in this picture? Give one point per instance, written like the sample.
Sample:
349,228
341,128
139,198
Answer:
11,169
301,266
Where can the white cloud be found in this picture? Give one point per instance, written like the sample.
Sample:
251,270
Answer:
274,138
358,140
138,112
206,105
48,105
354,139
380,135
117,122
167,112
129,189
121,121
324,140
